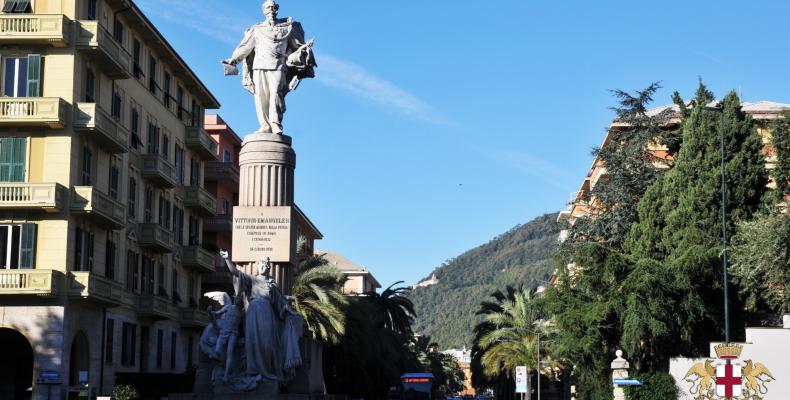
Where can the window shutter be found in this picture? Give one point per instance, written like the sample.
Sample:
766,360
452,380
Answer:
90,251
78,253
27,252
9,5
18,159
22,6
6,158
34,75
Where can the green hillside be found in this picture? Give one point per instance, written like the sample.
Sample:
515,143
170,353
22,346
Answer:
445,311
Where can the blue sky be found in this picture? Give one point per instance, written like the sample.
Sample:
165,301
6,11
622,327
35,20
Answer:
434,126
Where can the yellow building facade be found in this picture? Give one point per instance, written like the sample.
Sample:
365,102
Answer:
102,149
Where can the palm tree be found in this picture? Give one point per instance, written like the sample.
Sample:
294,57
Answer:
396,309
507,337
318,297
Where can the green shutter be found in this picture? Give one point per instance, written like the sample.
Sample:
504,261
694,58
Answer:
12,159
27,252
6,158
34,75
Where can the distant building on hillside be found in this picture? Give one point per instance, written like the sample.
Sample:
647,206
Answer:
462,355
464,359
428,282
360,280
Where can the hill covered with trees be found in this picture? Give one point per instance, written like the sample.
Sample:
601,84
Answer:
446,310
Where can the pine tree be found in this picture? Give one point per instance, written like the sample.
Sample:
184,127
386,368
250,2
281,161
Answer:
680,221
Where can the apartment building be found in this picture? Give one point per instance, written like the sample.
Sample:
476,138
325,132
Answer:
358,279
102,200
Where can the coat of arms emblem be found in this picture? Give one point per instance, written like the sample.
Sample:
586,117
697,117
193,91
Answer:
726,378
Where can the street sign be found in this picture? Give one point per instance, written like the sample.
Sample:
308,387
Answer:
521,380
47,377
628,382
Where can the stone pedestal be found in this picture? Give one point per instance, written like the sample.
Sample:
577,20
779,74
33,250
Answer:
267,164
619,371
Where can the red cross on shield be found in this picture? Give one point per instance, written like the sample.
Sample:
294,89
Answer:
728,381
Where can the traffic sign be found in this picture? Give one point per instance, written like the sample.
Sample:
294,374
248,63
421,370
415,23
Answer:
522,385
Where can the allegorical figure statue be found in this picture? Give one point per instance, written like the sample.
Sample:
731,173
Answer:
266,313
275,58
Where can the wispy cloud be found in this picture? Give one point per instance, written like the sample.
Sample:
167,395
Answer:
216,21
531,165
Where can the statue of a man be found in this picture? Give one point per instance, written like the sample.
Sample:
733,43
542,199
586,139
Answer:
276,57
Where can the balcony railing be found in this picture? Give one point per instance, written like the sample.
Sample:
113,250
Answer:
200,142
197,258
223,172
158,171
90,286
31,196
194,318
105,51
98,125
35,29
155,307
200,201
220,223
30,282
155,238
33,111
98,206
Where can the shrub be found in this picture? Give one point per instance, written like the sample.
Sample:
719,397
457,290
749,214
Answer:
125,392
658,386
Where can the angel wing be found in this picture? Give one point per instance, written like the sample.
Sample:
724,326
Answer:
221,297
700,376
756,375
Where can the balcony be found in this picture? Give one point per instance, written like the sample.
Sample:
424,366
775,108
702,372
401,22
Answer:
92,287
201,143
98,206
31,196
27,29
158,171
193,318
198,259
103,50
155,307
219,224
45,112
97,125
38,282
224,173
155,238
200,201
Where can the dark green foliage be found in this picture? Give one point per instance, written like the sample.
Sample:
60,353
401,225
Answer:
318,297
630,169
125,392
658,386
520,256
761,263
396,308
781,144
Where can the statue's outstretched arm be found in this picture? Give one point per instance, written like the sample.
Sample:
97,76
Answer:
244,49
231,267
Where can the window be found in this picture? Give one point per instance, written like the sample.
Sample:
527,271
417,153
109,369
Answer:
148,205
17,6
128,344
132,271
17,246
12,159
180,103
152,86
194,231
166,147
226,156
117,31
225,206
117,104
190,350
153,139
164,211
179,164
173,343
147,276
90,86
178,225
87,163
92,10
109,341
109,262
174,287
136,142
195,114
194,177
167,83
132,198
191,291
115,177
162,283
22,77
136,54
160,337
83,251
